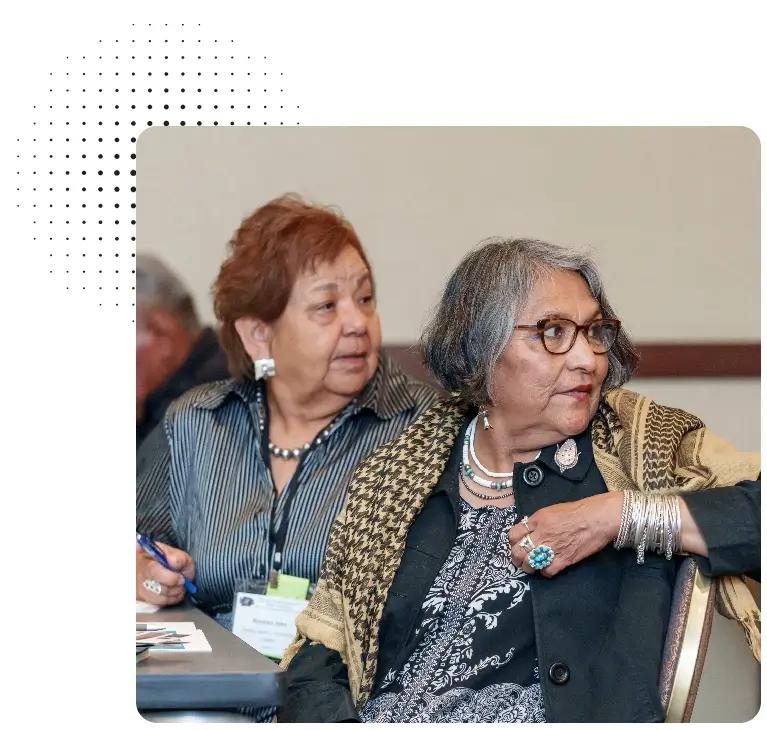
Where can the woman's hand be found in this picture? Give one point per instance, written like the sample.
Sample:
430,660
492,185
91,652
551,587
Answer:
573,530
172,589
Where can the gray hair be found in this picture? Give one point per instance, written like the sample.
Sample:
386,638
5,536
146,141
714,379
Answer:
158,287
474,321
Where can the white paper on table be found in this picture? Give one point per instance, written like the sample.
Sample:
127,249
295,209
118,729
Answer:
194,641
144,607
180,627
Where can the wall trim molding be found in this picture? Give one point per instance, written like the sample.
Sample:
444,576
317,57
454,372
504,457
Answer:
657,360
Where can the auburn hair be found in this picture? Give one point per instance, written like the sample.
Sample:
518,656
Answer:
271,248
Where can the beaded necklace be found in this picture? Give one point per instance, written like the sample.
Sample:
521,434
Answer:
297,452
468,445
479,494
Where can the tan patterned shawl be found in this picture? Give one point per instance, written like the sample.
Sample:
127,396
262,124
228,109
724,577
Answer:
637,445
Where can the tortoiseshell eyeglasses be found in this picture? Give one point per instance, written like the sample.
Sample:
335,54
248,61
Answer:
558,335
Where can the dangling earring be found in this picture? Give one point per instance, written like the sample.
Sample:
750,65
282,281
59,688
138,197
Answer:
264,368
483,416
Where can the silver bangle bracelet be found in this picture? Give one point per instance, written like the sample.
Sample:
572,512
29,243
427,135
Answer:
650,523
623,527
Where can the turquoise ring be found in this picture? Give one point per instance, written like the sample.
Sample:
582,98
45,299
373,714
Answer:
541,557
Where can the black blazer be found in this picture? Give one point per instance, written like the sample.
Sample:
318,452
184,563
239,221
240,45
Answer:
600,625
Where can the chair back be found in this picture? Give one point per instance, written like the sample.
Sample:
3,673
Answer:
689,629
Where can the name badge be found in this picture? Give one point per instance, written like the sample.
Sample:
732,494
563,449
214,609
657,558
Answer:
265,616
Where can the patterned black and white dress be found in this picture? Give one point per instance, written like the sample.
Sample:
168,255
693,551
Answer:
475,658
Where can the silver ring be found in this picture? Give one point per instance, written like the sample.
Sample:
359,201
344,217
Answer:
153,586
527,543
527,527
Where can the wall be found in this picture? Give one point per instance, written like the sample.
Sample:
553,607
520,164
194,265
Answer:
671,214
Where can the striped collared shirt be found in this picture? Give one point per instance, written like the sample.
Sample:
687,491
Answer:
203,483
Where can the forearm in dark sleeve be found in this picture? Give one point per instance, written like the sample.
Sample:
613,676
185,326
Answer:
317,688
152,487
729,519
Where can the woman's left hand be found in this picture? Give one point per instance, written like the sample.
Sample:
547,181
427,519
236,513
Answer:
573,530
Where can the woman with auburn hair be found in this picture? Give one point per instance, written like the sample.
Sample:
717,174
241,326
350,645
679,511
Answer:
244,478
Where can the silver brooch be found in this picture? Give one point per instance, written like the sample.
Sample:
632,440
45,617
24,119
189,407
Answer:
566,456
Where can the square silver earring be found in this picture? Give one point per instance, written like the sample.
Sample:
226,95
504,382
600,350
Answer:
264,368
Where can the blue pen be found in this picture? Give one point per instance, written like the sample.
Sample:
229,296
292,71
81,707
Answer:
154,551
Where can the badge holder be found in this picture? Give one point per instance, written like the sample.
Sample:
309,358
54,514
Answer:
265,611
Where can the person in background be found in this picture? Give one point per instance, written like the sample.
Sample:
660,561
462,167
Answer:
174,353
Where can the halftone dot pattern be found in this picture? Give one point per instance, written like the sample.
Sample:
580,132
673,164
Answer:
84,136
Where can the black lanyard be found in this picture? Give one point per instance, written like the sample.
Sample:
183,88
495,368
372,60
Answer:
277,537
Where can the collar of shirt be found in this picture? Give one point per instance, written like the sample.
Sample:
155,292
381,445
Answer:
386,393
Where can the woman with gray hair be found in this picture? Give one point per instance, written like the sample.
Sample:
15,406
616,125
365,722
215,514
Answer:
511,556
